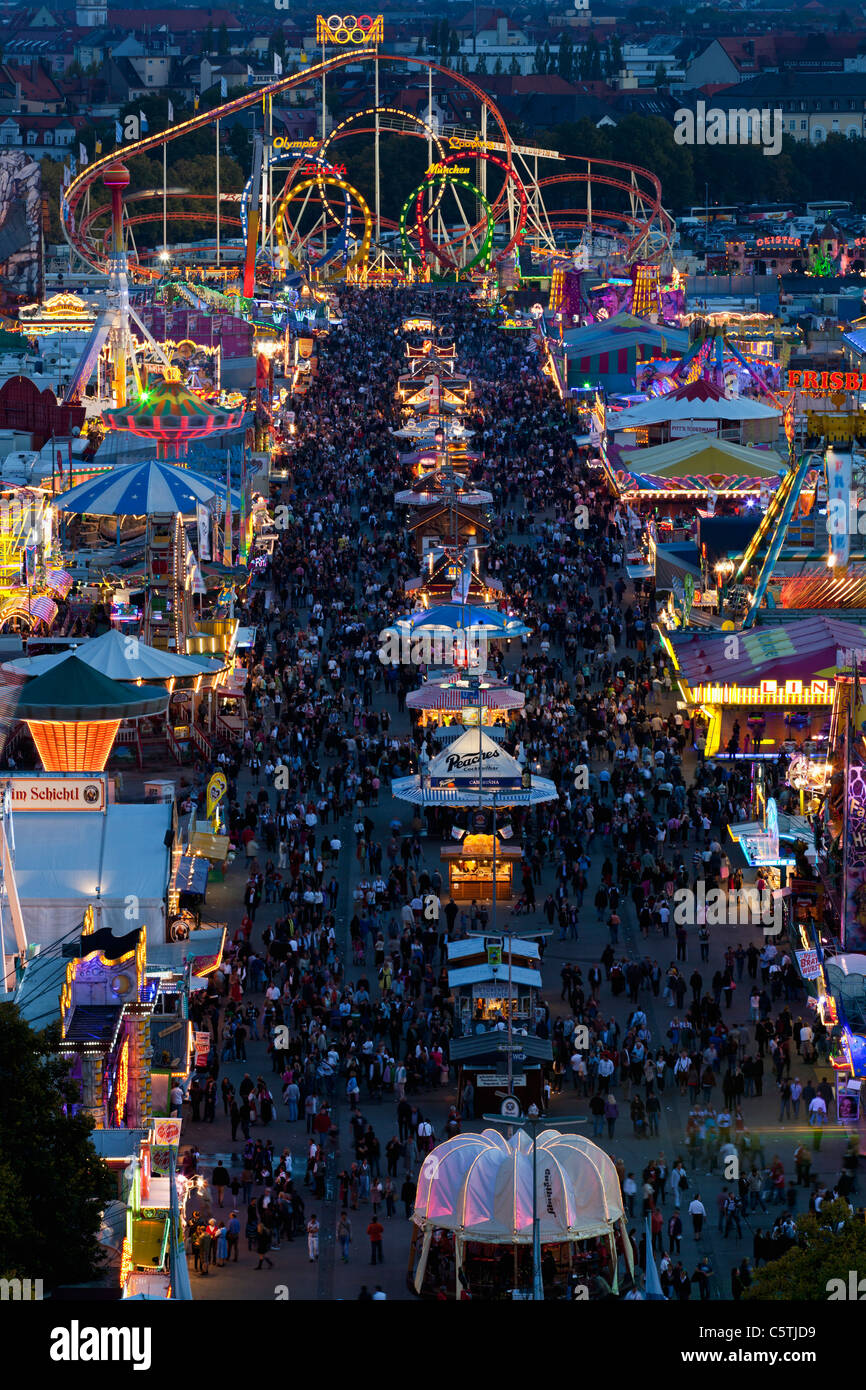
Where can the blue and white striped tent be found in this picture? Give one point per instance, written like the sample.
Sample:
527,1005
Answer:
144,489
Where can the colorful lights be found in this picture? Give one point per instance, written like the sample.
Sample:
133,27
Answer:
73,746
121,1091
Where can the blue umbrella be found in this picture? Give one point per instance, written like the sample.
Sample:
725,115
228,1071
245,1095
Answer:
143,489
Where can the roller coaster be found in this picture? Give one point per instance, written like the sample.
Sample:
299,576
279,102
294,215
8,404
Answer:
450,224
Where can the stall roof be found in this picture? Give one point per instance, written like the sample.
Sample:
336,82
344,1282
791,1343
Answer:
484,1045
772,653
698,400
66,860
37,995
118,1143
481,974
705,456
623,330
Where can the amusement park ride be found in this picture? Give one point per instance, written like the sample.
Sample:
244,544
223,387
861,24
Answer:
480,200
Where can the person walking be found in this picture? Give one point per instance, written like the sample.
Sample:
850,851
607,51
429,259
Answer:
697,1211
233,1235
344,1235
313,1238
376,1231
263,1245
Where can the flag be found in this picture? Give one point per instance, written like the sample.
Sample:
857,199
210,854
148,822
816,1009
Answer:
82,156
505,831
224,88
170,112
97,146
118,132
142,119
227,536
653,1283
278,65
73,165
67,176
195,101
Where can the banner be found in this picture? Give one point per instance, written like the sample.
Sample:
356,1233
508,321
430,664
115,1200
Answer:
854,907
838,468
164,1140
203,524
201,1047
808,963
216,790
227,537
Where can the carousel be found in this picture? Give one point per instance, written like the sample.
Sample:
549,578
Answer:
477,1201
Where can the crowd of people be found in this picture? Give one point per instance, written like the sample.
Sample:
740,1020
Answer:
349,984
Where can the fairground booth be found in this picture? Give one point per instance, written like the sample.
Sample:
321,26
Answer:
476,1204
766,690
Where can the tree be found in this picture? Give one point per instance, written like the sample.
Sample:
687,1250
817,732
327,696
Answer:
481,65
661,75
822,1254
615,59
53,1185
514,66
565,57
207,41
540,64
497,67
223,41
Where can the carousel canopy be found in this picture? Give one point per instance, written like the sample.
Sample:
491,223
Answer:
169,410
75,691
457,617
480,1186
144,489
120,658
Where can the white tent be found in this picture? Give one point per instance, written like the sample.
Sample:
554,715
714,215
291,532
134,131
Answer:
66,860
480,1187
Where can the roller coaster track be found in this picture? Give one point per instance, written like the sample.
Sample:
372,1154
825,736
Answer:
94,172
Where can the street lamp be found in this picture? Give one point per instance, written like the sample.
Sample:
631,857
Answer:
533,1121
723,571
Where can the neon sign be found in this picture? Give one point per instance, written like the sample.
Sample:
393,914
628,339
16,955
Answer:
820,382
122,1088
350,28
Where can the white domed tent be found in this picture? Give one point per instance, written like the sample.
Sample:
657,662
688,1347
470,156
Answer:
479,1186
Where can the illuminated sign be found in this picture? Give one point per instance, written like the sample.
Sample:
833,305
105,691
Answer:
338,169
58,793
122,1089
769,692
350,28
449,169
282,142
820,382
778,242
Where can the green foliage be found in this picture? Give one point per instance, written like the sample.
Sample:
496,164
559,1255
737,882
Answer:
823,1253
53,1186
540,62
223,41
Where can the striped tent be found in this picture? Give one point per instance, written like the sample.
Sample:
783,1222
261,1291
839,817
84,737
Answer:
170,413
144,489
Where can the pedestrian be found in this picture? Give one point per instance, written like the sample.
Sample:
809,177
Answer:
376,1231
313,1238
344,1235
697,1211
